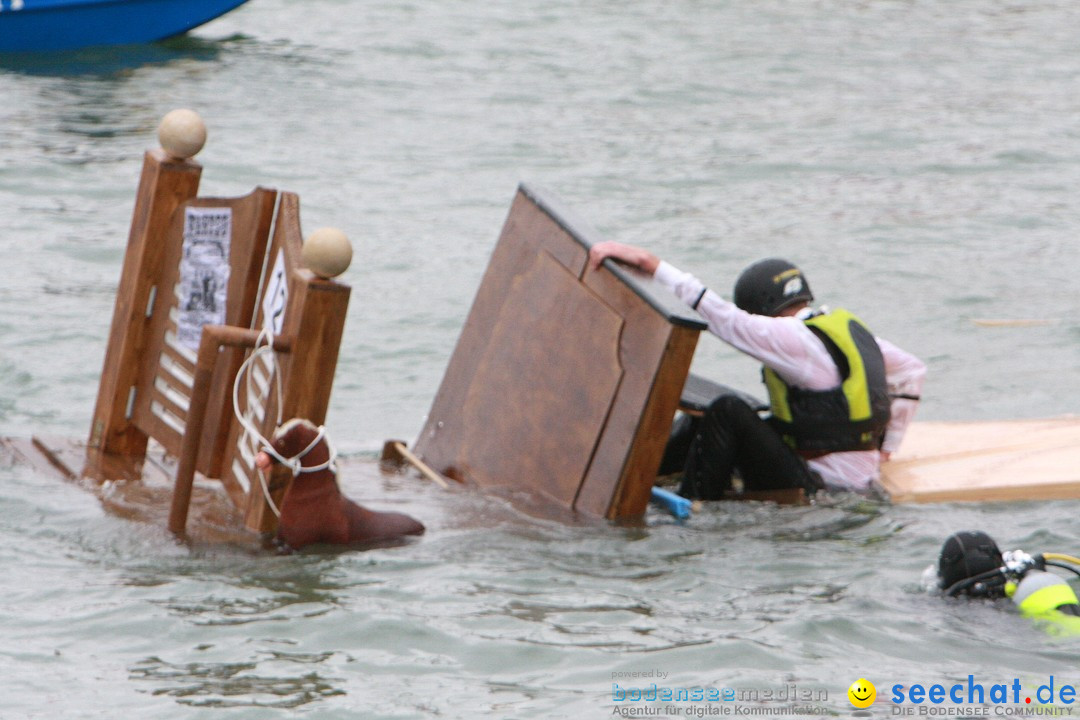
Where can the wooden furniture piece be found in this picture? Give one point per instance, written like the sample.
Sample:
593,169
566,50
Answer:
160,383
564,381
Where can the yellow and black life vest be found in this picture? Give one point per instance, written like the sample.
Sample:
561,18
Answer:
851,416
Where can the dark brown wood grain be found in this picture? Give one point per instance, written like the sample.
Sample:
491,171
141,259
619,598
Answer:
564,381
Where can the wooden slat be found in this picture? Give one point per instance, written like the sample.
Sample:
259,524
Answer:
176,373
175,403
167,426
183,354
236,487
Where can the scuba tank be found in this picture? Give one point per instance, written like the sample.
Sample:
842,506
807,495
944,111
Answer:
1048,600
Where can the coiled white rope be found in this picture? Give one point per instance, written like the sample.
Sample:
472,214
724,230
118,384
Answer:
264,347
245,417
294,463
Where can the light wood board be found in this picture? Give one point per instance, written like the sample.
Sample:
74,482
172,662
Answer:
987,461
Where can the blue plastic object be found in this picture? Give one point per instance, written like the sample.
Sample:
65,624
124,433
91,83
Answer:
51,25
674,504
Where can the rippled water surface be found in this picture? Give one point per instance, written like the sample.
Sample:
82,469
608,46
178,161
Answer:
919,159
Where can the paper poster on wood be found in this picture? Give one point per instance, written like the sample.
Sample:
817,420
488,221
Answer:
204,271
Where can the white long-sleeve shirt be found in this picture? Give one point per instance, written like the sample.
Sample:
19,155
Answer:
789,347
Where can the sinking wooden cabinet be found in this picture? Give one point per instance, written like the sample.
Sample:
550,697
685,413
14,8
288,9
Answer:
564,381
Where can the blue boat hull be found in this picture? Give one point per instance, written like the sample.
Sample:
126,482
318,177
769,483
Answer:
50,25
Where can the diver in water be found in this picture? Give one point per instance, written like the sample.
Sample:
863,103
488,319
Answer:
971,565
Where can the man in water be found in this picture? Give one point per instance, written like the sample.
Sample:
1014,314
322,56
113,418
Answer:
840,398
971,565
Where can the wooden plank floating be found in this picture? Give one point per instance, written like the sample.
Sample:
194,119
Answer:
564,381
987,461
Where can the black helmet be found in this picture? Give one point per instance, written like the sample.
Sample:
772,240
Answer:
768,286
965,556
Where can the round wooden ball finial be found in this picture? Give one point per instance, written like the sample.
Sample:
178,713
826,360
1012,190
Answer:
182,133
327,252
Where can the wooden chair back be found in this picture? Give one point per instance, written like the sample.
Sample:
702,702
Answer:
202,277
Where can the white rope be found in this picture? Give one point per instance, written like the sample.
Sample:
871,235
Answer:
264,346
245,418
294,462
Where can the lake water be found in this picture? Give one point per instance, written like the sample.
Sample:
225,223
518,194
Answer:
919,159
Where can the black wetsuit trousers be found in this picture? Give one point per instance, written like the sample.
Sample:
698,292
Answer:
731,437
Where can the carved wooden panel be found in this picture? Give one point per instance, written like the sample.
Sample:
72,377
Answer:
564,381
534,381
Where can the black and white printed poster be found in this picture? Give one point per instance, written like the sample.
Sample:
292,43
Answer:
204,272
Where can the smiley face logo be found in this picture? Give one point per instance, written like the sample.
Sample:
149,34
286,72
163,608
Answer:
862,693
